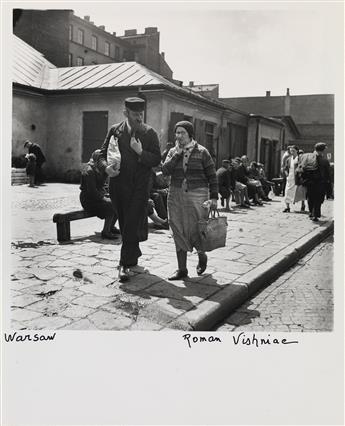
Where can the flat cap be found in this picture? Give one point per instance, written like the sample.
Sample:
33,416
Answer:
320,146
135,104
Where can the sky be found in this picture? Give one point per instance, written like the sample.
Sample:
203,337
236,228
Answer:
247,48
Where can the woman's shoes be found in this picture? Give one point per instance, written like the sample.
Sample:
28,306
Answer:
178,275
202,265
286,210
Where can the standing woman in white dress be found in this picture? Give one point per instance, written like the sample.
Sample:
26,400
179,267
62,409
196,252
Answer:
290,189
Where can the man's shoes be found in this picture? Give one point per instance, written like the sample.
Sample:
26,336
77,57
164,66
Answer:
286,210
202,265
303,209
315,219
245,206
178,275
222,201
123,273
108,236
115,231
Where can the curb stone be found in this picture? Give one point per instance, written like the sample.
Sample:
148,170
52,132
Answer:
213,310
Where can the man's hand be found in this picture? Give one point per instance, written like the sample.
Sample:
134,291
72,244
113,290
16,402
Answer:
213,205
136,145
112,170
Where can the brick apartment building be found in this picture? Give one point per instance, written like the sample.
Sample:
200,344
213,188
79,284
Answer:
67,40
313,115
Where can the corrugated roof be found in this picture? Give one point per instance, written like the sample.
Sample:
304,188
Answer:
29,66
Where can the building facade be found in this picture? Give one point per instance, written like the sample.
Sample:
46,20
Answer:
69,110
67,40
312,114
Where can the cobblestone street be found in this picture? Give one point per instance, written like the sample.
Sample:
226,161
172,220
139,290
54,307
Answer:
300,300
75,285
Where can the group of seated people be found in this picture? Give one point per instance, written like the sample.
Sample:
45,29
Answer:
94,196
243,182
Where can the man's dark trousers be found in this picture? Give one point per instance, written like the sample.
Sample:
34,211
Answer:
316,191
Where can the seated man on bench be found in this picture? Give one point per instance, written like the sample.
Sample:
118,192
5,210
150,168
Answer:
92,195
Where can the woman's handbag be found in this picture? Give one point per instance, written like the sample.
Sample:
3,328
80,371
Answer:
213,231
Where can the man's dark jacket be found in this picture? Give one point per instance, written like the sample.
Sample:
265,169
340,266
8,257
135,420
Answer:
129,190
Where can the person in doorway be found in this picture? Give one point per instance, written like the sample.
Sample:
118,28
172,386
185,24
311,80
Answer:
290,170
193,183
92,194
138,144
34,148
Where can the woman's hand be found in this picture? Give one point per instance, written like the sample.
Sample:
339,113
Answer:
179,149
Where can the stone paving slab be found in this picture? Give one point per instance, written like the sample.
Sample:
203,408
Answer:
47,294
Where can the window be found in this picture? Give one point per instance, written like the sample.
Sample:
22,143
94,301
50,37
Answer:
107,48
70,60
80,61
94,42
70,32
80,36
117,52
209,130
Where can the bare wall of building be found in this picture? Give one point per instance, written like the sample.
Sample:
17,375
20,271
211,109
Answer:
29,121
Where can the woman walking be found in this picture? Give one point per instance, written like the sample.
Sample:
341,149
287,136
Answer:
301,190
290,188
193,183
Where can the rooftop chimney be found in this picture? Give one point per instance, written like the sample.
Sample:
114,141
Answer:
114,34
151,30
87,18
287,102
191,83
268,93
163,55
130,32
102,27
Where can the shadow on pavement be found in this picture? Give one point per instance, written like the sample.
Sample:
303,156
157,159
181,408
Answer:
183,295
94,239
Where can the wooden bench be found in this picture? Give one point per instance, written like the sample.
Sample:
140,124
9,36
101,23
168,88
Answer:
278,185
62,220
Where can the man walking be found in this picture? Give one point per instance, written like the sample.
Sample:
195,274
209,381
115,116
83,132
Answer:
139,147
34,148
316,174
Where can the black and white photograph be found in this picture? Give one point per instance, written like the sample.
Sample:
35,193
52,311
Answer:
172,170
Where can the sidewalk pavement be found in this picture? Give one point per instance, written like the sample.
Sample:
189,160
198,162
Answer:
48,293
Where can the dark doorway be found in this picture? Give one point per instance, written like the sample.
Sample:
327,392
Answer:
269,156
237,140
95,127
